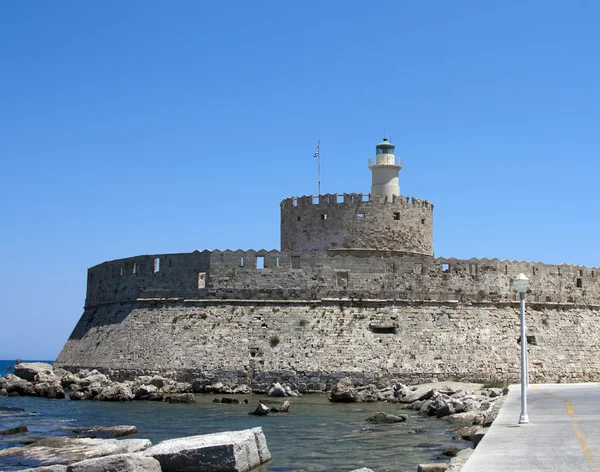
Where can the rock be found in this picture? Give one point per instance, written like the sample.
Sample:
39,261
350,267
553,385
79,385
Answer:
17,386
236,451
18,430
104,431
284,408
386,394
381,417
495,392
466,418
343,391
242,390
28,370
364,469
67,450
458,462
142,392
3,392
368,393
48,468
450,452
468,433
289,392
76,396
276,390
420,393
50,390
228,400
9,409
494,410
117,463
116,392
432,467
261,410
181,398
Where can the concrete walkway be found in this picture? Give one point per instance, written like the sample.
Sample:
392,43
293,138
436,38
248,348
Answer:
563,433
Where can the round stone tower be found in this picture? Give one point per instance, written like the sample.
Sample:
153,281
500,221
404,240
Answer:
385,167
380,221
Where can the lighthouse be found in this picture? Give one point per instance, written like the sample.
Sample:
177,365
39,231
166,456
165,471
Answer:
384,168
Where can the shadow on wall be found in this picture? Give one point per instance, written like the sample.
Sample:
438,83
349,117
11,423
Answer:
101,316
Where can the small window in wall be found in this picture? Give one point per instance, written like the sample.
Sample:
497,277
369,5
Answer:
592,273
559,271
422,221
134,268
242,261
341,279
533,270
506,269
201,279
295,262
473,269
260,262
295,202
360,215
277,261
170,262
580,273
121,271
297,218
579,283
315,200
383,329
156,264
323,216
418,268
340,199
397,215
446,268
365,198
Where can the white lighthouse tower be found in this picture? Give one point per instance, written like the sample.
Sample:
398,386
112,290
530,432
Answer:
385,167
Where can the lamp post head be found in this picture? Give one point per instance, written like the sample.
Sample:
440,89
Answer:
521,283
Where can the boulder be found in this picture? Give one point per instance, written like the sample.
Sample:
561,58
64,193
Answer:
48,468
468,433
457,463
276,390
234,401
236,451
50,389
466,418
261,410
18,430
67,450
28,370
117,463
15,385
382,417
77,396
10,409
343,391
242,390
104,431
115,393
181,398
420,393
432,467
368,393
364,469
283,408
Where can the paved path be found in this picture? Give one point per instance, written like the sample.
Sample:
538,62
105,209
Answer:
563,434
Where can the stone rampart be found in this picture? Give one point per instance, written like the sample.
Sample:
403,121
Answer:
357,221
312,344
344,274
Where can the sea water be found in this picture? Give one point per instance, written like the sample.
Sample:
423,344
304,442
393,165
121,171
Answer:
316,435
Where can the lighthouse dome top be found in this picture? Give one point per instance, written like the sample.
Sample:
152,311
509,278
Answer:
385,147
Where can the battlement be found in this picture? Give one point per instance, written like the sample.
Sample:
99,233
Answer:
330,199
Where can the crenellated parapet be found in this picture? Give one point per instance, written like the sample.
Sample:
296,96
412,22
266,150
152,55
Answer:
335,274
357,221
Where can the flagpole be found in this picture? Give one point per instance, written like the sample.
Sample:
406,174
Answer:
319,163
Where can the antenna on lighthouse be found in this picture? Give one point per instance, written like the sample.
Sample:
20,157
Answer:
318,156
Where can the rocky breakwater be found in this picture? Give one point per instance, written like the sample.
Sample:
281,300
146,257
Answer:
236,451
42,380
469,408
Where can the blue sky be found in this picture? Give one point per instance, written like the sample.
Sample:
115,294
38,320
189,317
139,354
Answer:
147,127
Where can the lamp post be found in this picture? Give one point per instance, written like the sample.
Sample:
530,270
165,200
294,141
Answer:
521,285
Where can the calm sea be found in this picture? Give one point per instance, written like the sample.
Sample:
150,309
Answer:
315,435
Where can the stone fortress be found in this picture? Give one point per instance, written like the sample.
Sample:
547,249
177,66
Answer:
355,291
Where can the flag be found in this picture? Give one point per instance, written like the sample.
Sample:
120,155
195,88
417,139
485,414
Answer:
317,153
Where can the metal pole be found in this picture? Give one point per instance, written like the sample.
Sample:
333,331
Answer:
319,163
524,418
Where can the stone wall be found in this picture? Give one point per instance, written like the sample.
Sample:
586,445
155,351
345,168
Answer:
311,344
317,275
356,221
